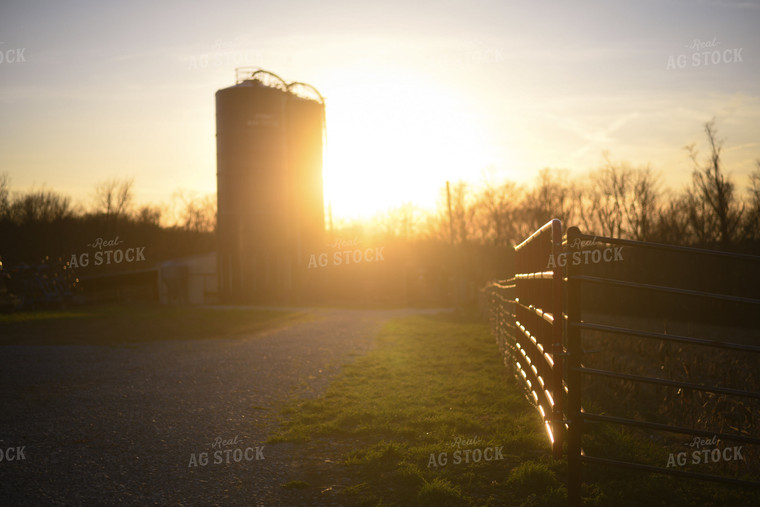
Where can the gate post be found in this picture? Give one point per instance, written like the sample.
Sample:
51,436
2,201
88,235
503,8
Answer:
574,380
558,349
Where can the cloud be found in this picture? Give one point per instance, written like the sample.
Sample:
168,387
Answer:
593,137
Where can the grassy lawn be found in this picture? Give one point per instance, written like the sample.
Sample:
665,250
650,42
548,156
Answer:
413,420
115,325
388,429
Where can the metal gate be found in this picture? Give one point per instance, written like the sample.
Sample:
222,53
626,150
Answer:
655,324
526,315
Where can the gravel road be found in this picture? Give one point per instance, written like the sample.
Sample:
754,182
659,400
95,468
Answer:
130,424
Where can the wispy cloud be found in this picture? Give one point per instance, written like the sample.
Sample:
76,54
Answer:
595,138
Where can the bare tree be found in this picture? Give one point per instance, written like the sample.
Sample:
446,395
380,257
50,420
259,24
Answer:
150,215
715,205
620,201
436,225
399,222
495,214
643,203
672,221
196,213
40,206
404,220
5,190
608,199
553,196
754,179
113,198
752,218
461,213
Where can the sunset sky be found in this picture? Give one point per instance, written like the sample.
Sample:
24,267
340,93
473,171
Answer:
417,92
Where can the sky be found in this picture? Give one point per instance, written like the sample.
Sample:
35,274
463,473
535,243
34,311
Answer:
417,93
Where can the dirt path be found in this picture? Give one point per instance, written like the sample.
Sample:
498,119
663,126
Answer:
128,425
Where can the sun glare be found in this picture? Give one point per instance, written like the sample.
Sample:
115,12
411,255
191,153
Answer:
392,140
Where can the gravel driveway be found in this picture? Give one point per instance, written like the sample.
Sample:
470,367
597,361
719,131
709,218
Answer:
129,425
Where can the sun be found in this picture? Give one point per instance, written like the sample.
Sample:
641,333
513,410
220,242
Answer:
394,139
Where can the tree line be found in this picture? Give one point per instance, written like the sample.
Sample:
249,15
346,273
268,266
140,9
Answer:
616,200
46,226
113,201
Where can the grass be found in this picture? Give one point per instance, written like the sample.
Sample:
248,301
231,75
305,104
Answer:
399,411
295,485
392,418
606,485
119,325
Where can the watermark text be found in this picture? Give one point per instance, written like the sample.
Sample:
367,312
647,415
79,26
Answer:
699,58
11,55
705,451
465,454
223,452
12,454
111,255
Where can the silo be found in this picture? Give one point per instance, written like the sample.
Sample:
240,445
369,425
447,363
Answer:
305,127
265,153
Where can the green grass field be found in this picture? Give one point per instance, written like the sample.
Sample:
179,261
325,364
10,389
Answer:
432,382
116,325
415,414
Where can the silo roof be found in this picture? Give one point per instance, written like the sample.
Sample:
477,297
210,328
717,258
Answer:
247,77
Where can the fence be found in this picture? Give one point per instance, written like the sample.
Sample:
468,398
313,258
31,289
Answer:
526,309
644,327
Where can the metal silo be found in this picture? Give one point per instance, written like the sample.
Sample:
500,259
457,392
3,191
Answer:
305,126
269,186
